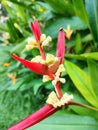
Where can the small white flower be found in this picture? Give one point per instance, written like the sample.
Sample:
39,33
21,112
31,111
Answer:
42,37
56,102
46,41
46,78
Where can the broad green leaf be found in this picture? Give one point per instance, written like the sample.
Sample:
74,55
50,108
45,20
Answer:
73,56
93,70
92,55
80,10
63,22
82,82
67,122
64,6
91,19
92,10
80,110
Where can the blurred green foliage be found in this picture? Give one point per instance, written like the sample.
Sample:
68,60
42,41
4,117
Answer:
22,98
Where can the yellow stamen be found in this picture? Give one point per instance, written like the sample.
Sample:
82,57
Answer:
38,59
42,38
31,44
32,41
46,78
45,40
50,59
57,75
56,102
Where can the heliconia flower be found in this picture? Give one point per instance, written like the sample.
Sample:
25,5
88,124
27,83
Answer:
46,65
50,67
43,69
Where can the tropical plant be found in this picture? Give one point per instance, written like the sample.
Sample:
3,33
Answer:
80,59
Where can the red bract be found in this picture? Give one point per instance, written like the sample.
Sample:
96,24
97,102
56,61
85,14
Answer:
38,68
36,30
60,51
37,33
58,88
61,45
35,67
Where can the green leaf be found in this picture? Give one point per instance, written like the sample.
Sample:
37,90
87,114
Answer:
92,10
63,22
4,87
93,70
64,6
78,45
91,19
36,85
81,110
15,86
19,47
85,56
80,10
12,30
82,82
67,122
93,55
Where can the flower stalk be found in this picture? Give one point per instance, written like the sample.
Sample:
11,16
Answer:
34,118
41,114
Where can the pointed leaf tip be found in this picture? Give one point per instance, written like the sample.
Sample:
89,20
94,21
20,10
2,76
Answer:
33,66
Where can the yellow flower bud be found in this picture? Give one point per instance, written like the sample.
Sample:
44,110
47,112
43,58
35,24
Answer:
42,38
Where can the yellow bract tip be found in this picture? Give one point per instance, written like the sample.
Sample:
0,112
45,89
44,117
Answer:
68,32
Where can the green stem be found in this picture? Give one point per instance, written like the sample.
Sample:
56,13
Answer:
82,105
